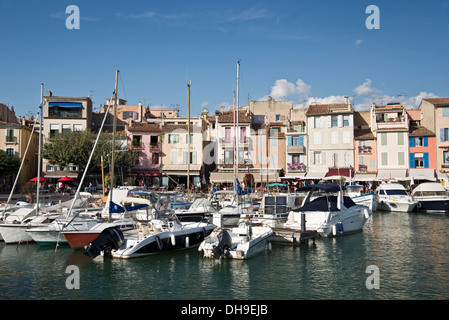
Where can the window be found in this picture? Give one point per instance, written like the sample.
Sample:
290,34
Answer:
334,121
129,115
278,117
334,137
317,157
191,138
296,141
229,157
10,152
384,158
155,158
173,138
400,138
401,158
445,111
259,119
317,137
54,129
154,140
66,128
383,138
174,157
346,136
77,127
418,160
137,142
346,121
444,134
317,122
243,135
228,135
446,157
273,142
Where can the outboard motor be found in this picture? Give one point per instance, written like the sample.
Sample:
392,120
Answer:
224,243
109,239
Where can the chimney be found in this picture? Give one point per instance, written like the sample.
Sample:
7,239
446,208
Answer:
49,94
346,100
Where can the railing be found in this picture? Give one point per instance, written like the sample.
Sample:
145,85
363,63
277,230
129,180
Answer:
296,149
11,139
296,167
364,150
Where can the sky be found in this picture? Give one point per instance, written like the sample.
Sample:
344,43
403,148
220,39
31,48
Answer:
301,51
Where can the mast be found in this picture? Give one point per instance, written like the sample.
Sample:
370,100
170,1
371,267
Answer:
38,183
188,135
114,131
238,128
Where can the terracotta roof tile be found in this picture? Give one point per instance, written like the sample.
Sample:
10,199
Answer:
420,131
438,101
363,134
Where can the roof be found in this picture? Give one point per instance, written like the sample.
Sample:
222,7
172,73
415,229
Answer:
420,131
329,108
149,127
228,116
438,101
363,134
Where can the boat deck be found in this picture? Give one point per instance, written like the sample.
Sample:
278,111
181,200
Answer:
292,236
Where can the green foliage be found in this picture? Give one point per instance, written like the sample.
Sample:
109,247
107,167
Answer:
75,148
8,164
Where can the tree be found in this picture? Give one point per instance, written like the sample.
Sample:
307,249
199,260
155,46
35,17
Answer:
8,164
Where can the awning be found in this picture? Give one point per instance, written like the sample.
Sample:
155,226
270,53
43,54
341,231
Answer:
72,105
60,174
345,172
315,175
180,169
223,177
365,177
143,173
423,174
392,174
294,176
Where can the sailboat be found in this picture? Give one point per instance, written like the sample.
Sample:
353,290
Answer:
14,224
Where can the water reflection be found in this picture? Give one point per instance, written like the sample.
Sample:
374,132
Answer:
410,250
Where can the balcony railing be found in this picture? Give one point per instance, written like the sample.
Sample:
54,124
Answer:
364,150
296,167
363,168
11,139
296,149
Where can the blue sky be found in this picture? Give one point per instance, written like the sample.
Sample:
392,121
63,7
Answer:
303,51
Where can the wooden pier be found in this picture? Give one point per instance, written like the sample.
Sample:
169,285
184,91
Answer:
292,236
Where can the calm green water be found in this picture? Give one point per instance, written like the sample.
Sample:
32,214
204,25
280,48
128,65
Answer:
410,250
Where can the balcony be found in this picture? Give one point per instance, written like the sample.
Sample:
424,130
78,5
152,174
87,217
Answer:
363,168
155,147
296,167
296,149
229,143
365,150
243,164
10,139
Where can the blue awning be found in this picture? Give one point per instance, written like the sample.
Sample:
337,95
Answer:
72,105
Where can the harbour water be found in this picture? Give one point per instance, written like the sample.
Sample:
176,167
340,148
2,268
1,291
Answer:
410,250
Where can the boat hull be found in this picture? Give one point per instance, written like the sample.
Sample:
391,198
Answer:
433,205
240,248
162,242
47,237
394,205
366,200
15,233
79,239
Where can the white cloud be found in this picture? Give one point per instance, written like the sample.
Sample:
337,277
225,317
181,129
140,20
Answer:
358,42
365,88
284,89
247,15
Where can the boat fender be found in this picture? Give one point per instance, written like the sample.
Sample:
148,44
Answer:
173,240
159,243
187,242
204,232
367,215
170,224
269,247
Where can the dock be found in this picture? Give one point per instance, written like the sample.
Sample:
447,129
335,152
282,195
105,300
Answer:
292,236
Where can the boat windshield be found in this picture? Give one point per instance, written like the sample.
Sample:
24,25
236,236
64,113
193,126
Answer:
432,193
396,192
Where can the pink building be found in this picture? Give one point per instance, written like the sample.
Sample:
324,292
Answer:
145,139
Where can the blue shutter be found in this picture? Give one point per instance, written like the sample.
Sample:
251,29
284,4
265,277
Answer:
412,160
426,141
290,141
426,159
442,135
301,140
412,141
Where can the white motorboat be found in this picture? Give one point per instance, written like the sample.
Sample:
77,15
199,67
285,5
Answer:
275,207
394,197
364,199
431,197
328,211
163,234
241,242
200,208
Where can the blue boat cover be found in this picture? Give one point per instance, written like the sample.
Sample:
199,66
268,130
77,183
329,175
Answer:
325,203
115,208
327,187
